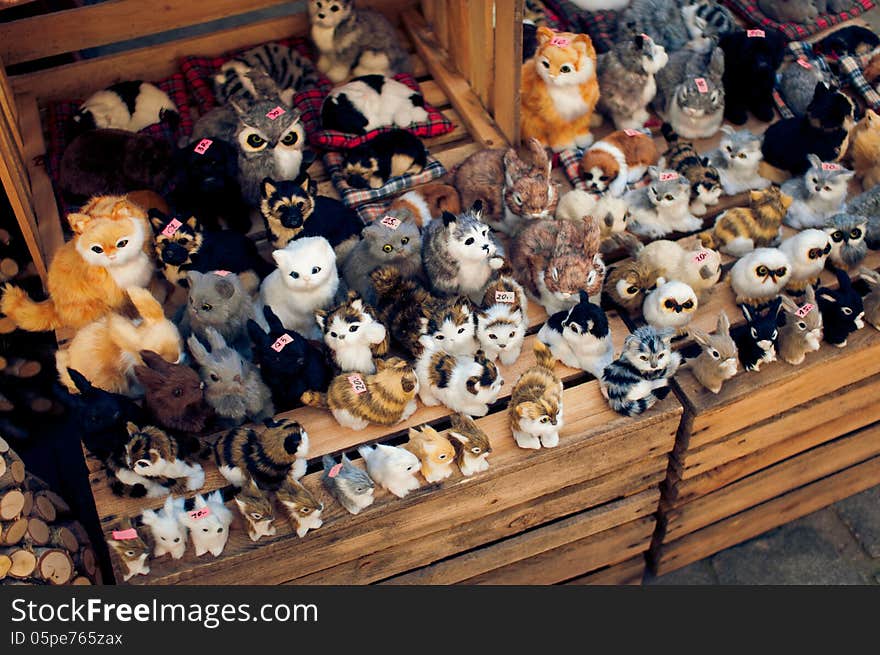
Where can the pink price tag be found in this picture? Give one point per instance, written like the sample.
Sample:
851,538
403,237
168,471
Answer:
390,221
281,341
507,297
202,146
221,273
560,41
828,166
633,133
171,228
199,514
701,256
803,63
357,383
671,175
275,113
806,309
125,535
755,33
334,471
702,85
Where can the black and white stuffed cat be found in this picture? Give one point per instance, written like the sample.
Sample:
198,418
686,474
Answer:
580,337
370,102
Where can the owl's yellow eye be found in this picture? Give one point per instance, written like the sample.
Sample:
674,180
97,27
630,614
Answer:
290,138
762,270
255,141
387,247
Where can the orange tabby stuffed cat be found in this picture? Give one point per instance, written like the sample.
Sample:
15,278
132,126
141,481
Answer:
560,91
88,275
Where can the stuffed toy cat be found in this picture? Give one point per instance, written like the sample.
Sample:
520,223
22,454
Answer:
450,325
661,207
353,335
843,311
797,84
690,93
849,246
292,209
370,102
130,548
807,251
88,274
737,160
303,508
535,407
741,229
435,452
217,300
502,320
472,446
467,384
760,275
748,86
867,205
580,337
390,154
348,484
402,305
864,149
173,394
131,106
674,24
682,157
353,41
559,91
257,509
267,457
391,467
756,345
107,351
290,72
619,159
169,536
818,194
208,524
100,162
513,190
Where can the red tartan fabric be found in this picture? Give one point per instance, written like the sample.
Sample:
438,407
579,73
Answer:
601,26
797,31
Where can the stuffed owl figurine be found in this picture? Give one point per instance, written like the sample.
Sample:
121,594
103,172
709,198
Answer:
848,246
759,276
670,304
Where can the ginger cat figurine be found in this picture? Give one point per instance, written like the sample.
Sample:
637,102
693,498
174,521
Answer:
864,149
560,91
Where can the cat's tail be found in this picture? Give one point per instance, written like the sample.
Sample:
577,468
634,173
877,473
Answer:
668,133
28,314
386,280
708,240
315,399
544,356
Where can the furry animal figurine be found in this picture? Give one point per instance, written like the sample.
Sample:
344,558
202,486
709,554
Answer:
757,343
289,364
807,251
717,360
266,457
619,159
671,304
450,326
305,281
797,84
698,267
89,274
107,351
130,548
352,487
740,230
854,40
737,160
353,41
173,394
370,102
391,154
302,507
389,241
131,106
707,21
822,131
611,213
169,536
435,452
182,244
385,398
864,149
555,260
292,210
580,337
402,304
208,524
748,86
289,71
817,195
464,383
867,205
502,320
600,5
559,91
353,334
391,467
472,446
760,275
459,253
626,79
535,407
232,385
257,510
802,331
627,283
788,11
639,378
681,157
843,311
513,190
113,161
848,244
663,206
690,94
675,24
218,301
871,302
426,202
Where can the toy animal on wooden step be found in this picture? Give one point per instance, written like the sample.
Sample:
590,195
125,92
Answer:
173,394
394,468
151,457
717,361
352,487
451,326
619,159
503,320
301,505
611,213
698,267
472,446
737,160
741,229
682,157
759,276
208,524
671,304
871,302
842,310
267,457
817,195
464,383
257,510
169,536
802,331
435,452
807,251
849,245
132,551
661,207
580,337
535,407
756,345
353,334
628,282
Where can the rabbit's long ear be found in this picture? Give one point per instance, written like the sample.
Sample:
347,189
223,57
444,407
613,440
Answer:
699,336
788,304
810,294
199,353
215,339
723,326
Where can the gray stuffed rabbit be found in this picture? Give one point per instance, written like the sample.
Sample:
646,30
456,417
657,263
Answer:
718,360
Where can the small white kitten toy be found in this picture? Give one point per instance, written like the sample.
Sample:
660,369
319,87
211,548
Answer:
168,534
394,468
208,524
580,337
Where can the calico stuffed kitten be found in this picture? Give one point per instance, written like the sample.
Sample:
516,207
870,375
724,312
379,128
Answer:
663,206
817,195
502,320
305,281
459,253
748,86
173,394
266,457
217,300
402,304
741,229
392,467
760,275
257,510
690,94
472,446
391,154
435,452
737,159
559,91
848,245
639,378
450,326
864,149
842,310
681,157
580,338
535,407
464,383
350,486
756,345
619,159
353,334
807,251
292,210
130,548
302,507
131,106
388,241
370,102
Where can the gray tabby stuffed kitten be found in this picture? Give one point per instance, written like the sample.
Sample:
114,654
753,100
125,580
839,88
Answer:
217,300
289,70
705,19
348,484
386,242
690,94
662,20
816,195
354,42
797,85
737,159
661,207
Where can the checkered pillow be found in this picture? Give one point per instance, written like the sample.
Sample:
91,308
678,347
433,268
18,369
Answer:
600,25
852,71
334,161
797,31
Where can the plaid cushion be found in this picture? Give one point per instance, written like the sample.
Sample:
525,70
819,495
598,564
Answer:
797,31
436,125
333,162
600,25
540,14
851,69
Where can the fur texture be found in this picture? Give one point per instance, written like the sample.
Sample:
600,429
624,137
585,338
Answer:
842,310
133,554
302,507
807,251
801,333
797,84
502,320
169,536
392,468
218,301
864,149
266,457
760,275
580,337
748,86
663,206
690,94
682,157
467,384
370,102
289,70
402,304
130,106
627,283
698,267
817,195
209,532
173,394
257,510
391,154
737,160
535,409
611,213
756,344
671,304
848,240
450,326
435,452
740,230
353,335
619,159
352,487
717,360
472,446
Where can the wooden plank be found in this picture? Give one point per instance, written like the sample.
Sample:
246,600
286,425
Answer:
480,38
534,543
757,520
505,104
7,103
629,572
774,481
598,550
457,43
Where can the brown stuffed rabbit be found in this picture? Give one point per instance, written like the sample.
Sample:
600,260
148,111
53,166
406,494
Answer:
718,360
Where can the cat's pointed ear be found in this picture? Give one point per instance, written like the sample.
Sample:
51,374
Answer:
224,288
728,130
448,218
78,222
131,428
321,318
477,208
305,183
755,196
280,257
746,312
654,172
267,187
158,219
272,320
583,43
544,35
194,277
198,351
814,160
193,223
80,381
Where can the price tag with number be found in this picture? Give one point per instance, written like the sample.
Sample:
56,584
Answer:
507,297
281,341
334,470
199,514
202,146
125,535
221,273
803,63
755,34
390,221
701,256
275,113
830,166
357,383
172,227
804,310
702,85
666,177
630,132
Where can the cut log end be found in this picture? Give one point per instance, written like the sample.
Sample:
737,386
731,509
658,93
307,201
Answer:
80,580
11,504
37,531
43,507
54,565
12,532
23,562
5,565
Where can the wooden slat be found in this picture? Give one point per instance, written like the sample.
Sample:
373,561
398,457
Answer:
7,103
505,105
629,572
480,37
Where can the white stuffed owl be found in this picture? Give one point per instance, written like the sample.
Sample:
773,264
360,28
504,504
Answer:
670,304
807,251
760,275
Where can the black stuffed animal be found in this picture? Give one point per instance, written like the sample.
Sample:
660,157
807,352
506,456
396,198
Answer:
748,81
822,132
289,364
372,164
183,245
854,40
756,341
842,310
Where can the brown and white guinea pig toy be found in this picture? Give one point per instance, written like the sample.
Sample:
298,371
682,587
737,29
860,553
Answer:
619,159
